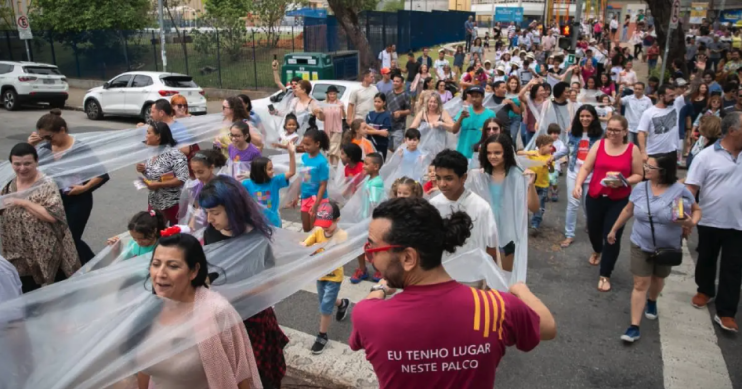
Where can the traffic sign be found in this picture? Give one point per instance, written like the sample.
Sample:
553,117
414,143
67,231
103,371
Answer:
24,27
675,15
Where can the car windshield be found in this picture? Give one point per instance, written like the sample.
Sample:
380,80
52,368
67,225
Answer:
179,82
41,70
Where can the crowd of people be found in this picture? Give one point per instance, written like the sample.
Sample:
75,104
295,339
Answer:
448,159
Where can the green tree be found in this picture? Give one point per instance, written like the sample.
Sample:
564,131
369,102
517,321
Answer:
228,17
7,16
346,12
76,16
270,13
661,11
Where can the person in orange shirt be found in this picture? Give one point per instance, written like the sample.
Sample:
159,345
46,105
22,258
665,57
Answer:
357,134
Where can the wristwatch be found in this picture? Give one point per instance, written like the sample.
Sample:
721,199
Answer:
380,287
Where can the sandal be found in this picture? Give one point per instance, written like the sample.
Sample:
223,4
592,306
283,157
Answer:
567,242
602,284
594,259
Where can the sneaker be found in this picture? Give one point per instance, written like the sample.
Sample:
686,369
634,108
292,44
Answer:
377,276
700,300
632,334
359,275
319,344
342,312
726,323
650,312
555,199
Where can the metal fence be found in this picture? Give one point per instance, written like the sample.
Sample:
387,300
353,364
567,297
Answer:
214,58
409,30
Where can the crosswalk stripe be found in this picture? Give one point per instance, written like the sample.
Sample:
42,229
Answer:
690,352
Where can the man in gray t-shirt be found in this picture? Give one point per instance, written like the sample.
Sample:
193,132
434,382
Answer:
715,48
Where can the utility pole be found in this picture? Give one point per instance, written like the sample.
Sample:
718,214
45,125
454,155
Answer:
577,24
674,16
492,21
162,37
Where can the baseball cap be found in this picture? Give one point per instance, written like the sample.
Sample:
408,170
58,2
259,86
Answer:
327,213
385,71
475,89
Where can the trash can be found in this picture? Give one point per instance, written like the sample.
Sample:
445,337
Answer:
308,66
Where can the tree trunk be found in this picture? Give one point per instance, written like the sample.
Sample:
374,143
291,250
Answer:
662,12
348,19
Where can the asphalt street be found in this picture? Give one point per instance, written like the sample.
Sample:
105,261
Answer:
587,352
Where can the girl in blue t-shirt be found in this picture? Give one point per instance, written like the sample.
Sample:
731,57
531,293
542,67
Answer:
314,175
264,185
144,229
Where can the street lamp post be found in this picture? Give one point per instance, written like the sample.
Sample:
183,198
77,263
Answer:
162,37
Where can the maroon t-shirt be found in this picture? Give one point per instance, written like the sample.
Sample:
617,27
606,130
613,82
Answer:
445,335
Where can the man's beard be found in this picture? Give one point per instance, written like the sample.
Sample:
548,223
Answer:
394,274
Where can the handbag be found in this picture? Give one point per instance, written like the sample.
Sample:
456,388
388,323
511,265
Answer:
661,256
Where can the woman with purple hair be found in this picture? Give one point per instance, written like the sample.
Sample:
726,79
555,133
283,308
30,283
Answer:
233,214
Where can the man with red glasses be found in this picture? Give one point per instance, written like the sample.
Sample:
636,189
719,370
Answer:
437,333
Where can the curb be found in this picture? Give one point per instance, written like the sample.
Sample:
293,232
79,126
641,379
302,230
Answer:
73,108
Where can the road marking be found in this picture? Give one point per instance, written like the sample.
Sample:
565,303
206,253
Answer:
353,292
690,352
337,366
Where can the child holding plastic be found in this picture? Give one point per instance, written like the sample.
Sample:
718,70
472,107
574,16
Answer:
554,131
204,164
144,229
352,157
241,151
328,287
542,155
411,155
431,186
374,191
264,185
315,174
357,134
290,126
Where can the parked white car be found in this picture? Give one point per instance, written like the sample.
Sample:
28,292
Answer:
31,82
133,93
319,89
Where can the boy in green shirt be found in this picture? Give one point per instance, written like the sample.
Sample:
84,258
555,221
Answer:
374,191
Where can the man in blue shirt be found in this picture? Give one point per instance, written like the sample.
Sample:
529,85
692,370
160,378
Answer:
468,32
471,120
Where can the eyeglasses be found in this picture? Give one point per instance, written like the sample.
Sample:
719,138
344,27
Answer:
650,167
371,251
184,106
235,135
614,130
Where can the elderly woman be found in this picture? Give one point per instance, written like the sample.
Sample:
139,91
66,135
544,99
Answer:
164,174
615,166
222,358
233,214
34,232
654,199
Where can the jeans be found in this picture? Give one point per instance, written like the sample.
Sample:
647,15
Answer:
602,213
651,64
634,138
327,293
467,38
713,63
624,33
538,216
711,240
515,127
570,220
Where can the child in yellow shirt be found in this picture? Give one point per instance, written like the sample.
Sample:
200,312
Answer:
541,154
328,287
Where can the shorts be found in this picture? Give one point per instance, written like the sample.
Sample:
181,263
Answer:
614,30
396,139
508,249
327,292
642,267
335,141
308,203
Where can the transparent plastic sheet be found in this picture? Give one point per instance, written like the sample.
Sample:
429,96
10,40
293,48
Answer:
549,114
513,214
433,140
394,167
94,154
238,170
589,96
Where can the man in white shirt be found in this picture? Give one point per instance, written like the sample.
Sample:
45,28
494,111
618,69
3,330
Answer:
385,57
362,99
628,76
440,63
716,176
658,126
450,171
635,105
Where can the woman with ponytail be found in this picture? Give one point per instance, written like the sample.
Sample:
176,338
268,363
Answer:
406,241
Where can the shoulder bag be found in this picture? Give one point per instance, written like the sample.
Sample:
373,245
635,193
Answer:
661,256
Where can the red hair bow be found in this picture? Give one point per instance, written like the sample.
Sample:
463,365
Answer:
170,231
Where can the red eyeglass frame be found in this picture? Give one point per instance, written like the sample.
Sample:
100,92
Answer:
368,250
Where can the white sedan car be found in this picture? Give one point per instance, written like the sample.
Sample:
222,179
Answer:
133,93
319,89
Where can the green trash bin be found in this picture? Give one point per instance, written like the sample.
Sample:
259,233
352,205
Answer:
308,66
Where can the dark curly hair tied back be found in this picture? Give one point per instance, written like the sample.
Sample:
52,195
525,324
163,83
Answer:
418,225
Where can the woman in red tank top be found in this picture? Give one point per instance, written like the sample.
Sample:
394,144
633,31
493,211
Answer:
616,166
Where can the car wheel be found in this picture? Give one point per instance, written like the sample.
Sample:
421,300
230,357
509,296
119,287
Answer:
57,103
93,110
147,113
10,100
